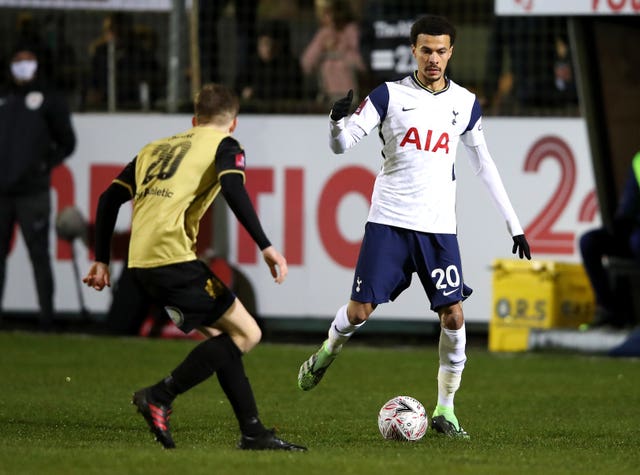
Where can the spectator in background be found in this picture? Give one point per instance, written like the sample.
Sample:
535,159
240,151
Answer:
528,65
274,73
65,75
564,79
623,240
152,79
135,68
334,52
36,135
245,13
30,31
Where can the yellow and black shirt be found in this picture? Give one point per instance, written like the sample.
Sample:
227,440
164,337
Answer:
173,181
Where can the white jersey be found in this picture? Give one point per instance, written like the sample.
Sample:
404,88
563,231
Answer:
420,130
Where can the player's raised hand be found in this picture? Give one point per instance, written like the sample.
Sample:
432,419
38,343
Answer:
521,246
98,276
276,262
341,107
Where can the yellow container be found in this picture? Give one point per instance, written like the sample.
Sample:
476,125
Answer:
536,294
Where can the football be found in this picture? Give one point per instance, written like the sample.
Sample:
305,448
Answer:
403,418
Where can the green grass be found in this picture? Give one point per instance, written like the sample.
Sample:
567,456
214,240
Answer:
526,413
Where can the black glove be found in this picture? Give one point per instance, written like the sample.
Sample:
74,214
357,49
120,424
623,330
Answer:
521,246
341,107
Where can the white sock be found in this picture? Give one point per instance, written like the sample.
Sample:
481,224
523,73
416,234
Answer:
451,349
340,330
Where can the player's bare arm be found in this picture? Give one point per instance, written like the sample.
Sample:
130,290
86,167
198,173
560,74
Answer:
277,264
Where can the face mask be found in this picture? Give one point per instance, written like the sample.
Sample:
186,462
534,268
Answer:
24,70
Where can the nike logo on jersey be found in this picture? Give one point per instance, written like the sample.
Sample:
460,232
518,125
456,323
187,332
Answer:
449,292
405,109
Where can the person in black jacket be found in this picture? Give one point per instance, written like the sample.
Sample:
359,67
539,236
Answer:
275,74
36,134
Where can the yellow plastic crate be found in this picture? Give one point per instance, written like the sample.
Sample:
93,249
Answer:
536,294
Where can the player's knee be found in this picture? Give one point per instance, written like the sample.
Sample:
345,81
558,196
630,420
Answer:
247,337
358,314
358,319
451,316
251,339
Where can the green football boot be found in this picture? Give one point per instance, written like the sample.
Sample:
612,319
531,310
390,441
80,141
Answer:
444,421
312,370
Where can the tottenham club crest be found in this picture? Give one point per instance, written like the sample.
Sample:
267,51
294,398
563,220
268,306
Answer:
455,116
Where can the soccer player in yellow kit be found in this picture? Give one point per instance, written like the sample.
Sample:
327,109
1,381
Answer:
172,182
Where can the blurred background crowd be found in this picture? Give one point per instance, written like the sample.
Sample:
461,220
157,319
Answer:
286,56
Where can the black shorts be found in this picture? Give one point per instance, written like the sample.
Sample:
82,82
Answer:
189,292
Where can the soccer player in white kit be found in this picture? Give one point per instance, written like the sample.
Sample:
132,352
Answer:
411,227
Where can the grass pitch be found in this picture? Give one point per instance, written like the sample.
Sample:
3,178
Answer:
65,409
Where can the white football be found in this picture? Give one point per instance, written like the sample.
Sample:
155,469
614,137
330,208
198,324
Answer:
403,418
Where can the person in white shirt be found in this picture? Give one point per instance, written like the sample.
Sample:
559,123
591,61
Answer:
411,227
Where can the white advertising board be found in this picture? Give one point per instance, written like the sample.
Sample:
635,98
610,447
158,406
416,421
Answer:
313,205
567,7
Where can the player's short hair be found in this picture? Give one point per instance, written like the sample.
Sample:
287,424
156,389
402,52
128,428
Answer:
433,25
215,103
